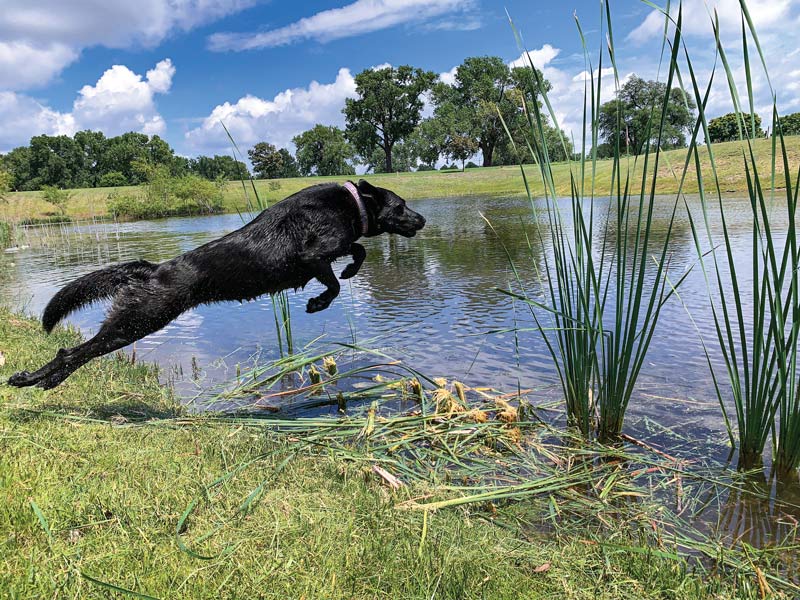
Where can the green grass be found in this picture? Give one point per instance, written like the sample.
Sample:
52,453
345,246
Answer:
96,475
494,181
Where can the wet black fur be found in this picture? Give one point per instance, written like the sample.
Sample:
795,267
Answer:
286,246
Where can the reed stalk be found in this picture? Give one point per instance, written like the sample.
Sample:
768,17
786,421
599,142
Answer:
606,279
759,343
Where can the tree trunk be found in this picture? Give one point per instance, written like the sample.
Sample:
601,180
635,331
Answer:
487,155
388,165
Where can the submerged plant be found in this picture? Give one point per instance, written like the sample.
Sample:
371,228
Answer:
607,280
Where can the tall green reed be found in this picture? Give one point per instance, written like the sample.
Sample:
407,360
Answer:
759,343
281,309
604,302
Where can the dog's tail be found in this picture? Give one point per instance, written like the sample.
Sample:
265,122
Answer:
94,286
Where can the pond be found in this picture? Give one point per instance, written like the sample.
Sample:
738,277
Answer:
429,300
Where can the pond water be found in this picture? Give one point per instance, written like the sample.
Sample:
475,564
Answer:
428,300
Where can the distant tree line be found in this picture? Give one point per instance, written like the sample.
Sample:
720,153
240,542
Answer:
385,130
90,159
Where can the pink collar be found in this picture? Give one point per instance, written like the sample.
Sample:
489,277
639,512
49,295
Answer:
361,208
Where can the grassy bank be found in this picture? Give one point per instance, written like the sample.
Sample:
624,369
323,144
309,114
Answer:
495,181
96,475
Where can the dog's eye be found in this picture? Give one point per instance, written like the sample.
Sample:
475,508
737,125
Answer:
399,209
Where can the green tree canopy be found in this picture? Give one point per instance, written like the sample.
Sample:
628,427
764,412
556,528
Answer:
218,167
387,109
728,127
790,124
56,161
18,163
484,89
323,150
638,102
270,162
92,145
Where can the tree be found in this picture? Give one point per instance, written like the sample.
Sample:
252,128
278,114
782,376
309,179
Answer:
790,124
270,162
403,159
728,127
92,145
387,109
484,89
18,163
218,167
425,142
56,161
56,197
289,166
460,147
323,150
123,152
637,110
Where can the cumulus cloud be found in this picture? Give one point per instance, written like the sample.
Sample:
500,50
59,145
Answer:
120,101
252,119
772,18
698,15
362,16
39,39
540,58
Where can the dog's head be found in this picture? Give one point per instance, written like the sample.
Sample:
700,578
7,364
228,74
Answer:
388,212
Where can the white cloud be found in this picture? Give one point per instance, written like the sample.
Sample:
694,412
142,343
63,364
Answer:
120,101
540,58
40,38
772,19
24,64
252,119
449,77
697,15
362,16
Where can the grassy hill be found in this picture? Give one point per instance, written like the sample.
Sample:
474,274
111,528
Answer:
494,181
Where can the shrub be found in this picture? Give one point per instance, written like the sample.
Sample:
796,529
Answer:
136,207
112,179
56,197
426,168
472,165
199,194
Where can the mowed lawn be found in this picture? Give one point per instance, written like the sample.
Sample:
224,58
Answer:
494,181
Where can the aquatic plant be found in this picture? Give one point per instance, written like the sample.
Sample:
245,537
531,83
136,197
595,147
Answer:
281,309
604,303
760,349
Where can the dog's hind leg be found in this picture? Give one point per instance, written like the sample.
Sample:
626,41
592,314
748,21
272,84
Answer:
324,274
358,253
133,316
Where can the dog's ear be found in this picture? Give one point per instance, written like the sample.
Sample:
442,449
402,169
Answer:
365,188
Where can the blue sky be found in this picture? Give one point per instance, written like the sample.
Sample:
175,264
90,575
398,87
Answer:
176,67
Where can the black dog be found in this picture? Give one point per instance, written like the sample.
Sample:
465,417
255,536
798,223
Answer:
286,246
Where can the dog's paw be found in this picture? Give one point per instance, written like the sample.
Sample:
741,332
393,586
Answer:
21,379
317,304
349,271
48,383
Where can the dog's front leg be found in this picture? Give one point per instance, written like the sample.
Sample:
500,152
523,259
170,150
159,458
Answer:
358,253
325,276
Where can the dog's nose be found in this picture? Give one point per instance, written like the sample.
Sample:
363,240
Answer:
420,222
